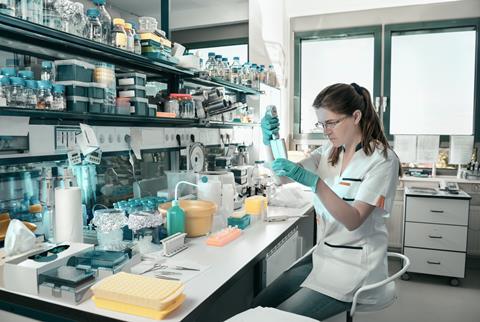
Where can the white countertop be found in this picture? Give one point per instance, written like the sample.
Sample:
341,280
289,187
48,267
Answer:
224,263
438,193
438,179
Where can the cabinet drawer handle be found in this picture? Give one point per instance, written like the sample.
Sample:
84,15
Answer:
434,236
437,211
433,262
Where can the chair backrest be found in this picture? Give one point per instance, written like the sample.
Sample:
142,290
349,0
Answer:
390,279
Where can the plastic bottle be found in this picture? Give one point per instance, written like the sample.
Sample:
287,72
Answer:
59,102
44,95
226,69
17,92
218,66
175,219
4,91
47,71
30,94
210,64
94,25
119,36
130,37
235,71
106,21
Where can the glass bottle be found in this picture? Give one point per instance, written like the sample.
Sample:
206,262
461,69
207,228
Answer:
210,64
59,102
245,75
30,93
119,36
44,95
47,71
51,16
94,25
137,46
261,75
253,83
235,70
80,21
271,77
106,21
17,92
226,69
218,66
4,91
130,37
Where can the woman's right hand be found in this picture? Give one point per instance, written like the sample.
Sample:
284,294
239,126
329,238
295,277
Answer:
270,126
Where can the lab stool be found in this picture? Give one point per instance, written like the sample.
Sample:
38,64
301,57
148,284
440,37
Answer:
268,314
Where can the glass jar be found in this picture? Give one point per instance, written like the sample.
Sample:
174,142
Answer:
4,91
30,93
47,71
17,92
59,102
44,95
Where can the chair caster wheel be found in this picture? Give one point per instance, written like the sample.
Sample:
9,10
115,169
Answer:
405,277
454,282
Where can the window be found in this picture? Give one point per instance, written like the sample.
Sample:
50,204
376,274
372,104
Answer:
432,85
328,57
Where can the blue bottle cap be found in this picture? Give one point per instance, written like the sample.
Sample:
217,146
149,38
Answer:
17,81
5,81
262,66
93,12
254,65
9,71
57,88
99,2
31,84
44,84
46,64
211,54
218,56
224,59
26,74
236,58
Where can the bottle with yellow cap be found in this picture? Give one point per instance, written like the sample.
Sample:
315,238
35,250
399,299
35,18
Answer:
130,39
119,36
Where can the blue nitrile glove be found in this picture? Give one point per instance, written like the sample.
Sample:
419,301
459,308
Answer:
270,126
286,168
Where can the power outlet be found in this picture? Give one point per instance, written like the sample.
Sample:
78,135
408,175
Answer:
65,137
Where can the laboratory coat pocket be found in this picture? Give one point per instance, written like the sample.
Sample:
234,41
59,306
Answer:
341,268
350,189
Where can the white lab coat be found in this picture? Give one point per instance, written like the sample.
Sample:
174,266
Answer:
346,260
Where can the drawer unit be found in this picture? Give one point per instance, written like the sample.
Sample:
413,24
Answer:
435,236
437,210
436,262
435,233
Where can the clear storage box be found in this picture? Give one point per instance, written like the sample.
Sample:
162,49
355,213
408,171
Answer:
74,70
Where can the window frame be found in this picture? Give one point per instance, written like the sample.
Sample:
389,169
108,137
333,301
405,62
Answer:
340,33
430,27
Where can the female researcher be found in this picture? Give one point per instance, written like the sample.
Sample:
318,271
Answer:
353,178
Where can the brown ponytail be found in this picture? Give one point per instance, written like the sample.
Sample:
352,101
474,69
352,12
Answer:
346,99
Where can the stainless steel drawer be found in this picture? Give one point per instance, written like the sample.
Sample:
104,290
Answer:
436,262
437,210
442,237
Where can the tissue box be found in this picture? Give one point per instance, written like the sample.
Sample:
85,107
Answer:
21,274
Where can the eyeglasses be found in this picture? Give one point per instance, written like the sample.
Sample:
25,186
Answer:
330,124
49,255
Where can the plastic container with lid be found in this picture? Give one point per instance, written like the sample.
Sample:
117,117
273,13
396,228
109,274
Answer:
74,88
152,110
198,215
44,95
119,36
97,90
132,91
74,70
30,93
139,106
59,103
77,104
97,106
123,106
241,222
147,24
128,79
17,92
25,74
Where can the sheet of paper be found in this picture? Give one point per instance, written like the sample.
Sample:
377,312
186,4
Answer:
406,147
14,125
427,148
87,139
136,142
461,147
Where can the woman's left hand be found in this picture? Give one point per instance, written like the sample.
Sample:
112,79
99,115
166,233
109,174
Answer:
287,168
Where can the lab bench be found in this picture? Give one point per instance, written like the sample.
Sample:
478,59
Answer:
235,274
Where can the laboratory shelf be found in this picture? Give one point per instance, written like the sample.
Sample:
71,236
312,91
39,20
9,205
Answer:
72,118
229,125
37,40
217,82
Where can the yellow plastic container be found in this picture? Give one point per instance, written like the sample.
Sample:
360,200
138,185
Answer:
198,215
256,205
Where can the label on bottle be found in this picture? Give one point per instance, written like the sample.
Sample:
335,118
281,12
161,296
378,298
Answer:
121,40
57,104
